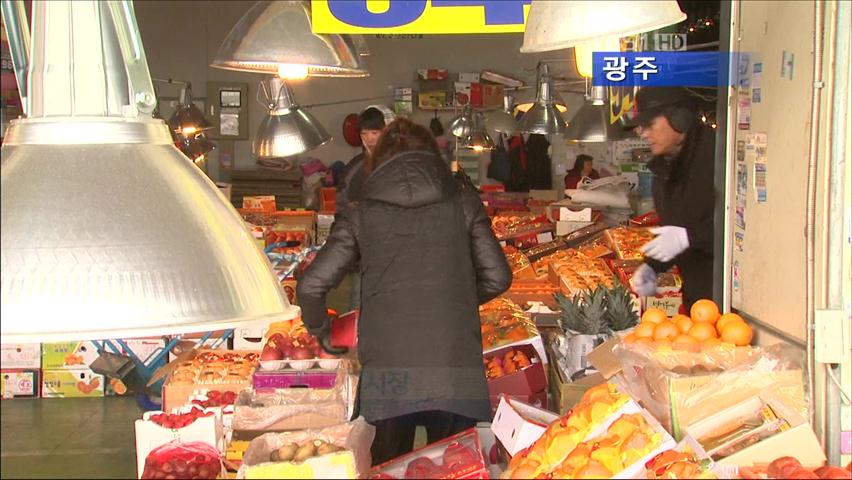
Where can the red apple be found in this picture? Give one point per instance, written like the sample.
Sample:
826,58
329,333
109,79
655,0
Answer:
832,472
325,355
420,467
275,340
776,468
302,353
270,353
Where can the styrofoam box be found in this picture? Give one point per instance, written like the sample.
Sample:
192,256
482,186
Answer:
149,435
21,355
518,425
637,469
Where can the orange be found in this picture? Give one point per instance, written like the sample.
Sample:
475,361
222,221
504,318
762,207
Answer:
629,338
645,340
644,330
683,322
654,315
711,343
725,319
665,330
702,331
704,311
738,333
685,342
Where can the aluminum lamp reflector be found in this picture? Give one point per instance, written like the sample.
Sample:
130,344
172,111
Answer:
188,120
479,139
276,36
591,122
196,146
502,120
462,126
543,118
287,129
556,25
108,231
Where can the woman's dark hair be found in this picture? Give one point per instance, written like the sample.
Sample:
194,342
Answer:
401,135
372,119
579,162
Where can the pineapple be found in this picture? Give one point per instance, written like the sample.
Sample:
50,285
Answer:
620,312
572,311
595,319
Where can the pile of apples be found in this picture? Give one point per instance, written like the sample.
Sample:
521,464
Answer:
513,361
195,460
705,327
215,398
455,458
790,467
301,346
175,421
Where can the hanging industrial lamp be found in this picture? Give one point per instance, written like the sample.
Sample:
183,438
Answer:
503,120
591,122
275,37
478,139
543,118
108,231
188,120
558,25
287,129
462,125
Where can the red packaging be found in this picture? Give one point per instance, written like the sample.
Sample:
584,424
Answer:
459,457
344,330
183,460
527,381
476,94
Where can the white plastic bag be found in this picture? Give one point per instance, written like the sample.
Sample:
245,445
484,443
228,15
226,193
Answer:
605,192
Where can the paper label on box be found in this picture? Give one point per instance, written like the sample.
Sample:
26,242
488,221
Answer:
71,384
544,237
18,384
68,355
24,355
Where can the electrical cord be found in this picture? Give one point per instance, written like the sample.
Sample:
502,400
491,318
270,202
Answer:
839,386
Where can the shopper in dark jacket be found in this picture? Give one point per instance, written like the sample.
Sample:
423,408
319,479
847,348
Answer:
371,123
428,259
684,196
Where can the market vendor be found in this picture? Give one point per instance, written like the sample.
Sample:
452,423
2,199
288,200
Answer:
683,164
582,168
428,259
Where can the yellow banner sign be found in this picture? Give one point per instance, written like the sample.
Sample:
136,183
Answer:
419,16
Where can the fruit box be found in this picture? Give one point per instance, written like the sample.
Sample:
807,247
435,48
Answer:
68,355
535,341
567,394
17,383
527,381
458,457
64,383
21,355
177,395
797,437
352,461
518,425
665,442
150,435
290,409
537,400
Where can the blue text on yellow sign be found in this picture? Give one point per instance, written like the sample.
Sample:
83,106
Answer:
419,16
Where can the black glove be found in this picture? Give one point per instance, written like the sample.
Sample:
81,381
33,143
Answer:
325,343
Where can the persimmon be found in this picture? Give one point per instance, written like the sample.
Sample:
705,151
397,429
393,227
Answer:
704,311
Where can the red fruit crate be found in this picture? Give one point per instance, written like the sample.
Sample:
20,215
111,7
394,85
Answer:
458,457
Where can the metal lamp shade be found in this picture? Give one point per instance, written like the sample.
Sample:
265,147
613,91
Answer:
108,231
195,147
289,132
591,124
462,126
278,33
188,120
544,117
502,120
558,25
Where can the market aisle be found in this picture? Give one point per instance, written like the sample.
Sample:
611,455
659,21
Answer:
68,438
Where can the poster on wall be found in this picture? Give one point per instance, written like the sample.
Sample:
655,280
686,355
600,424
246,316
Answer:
757,75
742,178
739,211
739,241
757,145
744,113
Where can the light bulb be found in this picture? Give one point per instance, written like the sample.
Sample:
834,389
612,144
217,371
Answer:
188,131
478,148
292,71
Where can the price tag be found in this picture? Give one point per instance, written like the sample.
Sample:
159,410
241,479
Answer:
544,237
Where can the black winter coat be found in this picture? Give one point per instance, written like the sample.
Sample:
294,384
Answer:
428,259
684,196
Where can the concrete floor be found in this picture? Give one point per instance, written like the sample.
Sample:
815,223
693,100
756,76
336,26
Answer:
80,437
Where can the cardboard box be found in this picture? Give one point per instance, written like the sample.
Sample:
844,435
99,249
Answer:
149,435
64,383
518,425
566,227
535,341
492,96
289,286
68,355
476,94
566,214
527,381
462,94
469,77
567,394
144,348
262,203
324,223
433,73
251,337
467,442
800,438
18,383
429,100
668,302
21,355
333,465
537,400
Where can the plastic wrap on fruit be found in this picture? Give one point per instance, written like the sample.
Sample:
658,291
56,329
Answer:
421,467
194,460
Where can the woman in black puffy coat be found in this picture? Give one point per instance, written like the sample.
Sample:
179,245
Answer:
428,259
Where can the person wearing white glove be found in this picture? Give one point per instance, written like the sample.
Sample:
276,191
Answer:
684,197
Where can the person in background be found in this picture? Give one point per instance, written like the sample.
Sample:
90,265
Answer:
428,259
582,168
372,121
683,166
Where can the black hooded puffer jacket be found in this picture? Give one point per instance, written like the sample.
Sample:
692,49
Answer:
428,258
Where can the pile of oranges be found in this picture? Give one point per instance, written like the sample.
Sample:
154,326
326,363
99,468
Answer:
704,327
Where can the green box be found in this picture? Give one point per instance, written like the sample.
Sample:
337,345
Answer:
68,355
80,383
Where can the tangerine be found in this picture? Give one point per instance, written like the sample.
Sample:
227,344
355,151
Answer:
726,319
665,330
738,333
711,343
644,330
702,331
685,342
654,315
704,311
645,340
629,338
683,322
